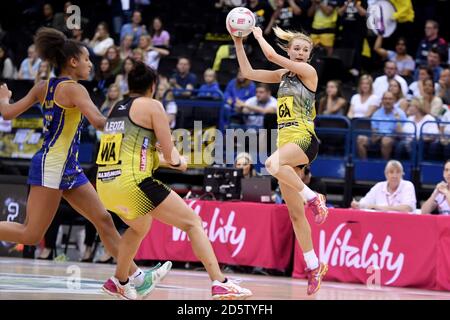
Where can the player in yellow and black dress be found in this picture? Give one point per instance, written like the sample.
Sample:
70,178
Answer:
54,170
127,159
297,142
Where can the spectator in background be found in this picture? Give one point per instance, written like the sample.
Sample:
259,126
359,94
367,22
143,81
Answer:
60,20
136,29
404,16
333,102
262,11
113,56
443,88
433,63
382,130
445,137
104,77
315,184
227,5
152,54
78,35
183,78
262,103
285,14
7,69
239,88
399,98
139,55
126,47
405,63
381,84
30,65
440,198
117,14
419,114
431,40
432,103
244,161
223,7
364,103
112,97
353,21
44,73
210,88
416,88
49,14
394,194
228,51
164,94
324,23
160,37
101,40
122,78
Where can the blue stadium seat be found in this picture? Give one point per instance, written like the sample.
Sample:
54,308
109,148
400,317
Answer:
334,133
372,169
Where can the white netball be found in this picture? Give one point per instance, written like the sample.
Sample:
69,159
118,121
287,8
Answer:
240,22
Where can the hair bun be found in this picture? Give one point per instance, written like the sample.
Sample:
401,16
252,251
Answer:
139,67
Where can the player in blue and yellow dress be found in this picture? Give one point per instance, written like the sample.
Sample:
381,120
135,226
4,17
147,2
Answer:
55,171
56,165
297,142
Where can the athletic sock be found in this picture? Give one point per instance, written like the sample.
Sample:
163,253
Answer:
138,277
312,262
307,193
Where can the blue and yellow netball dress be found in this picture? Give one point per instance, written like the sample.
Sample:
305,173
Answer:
56,164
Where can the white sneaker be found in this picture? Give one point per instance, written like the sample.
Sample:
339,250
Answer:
229,290
113,287
152,277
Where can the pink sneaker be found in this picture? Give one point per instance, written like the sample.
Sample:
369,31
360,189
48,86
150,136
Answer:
315,278
319,208
114,288
229,290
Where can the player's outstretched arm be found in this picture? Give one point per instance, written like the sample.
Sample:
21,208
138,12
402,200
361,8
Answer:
248,72
170,155
11,111
82,101
302,69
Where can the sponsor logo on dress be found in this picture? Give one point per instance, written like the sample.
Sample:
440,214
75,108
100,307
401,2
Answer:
143,163
109,175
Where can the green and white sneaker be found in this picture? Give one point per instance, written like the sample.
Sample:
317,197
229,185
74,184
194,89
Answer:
152,277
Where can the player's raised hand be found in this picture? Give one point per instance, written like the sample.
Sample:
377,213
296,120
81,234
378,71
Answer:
5,93
237,40
257,33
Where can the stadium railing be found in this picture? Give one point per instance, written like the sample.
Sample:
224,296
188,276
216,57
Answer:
372,168
191,107
431,165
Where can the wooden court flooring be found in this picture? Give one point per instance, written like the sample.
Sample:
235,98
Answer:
38,279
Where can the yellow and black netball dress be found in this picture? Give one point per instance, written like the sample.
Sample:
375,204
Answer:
295,115
127,159
56,165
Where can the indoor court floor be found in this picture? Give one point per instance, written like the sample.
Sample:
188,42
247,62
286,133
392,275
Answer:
41,279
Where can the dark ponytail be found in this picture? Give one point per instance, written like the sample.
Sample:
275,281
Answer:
141,78
52,45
